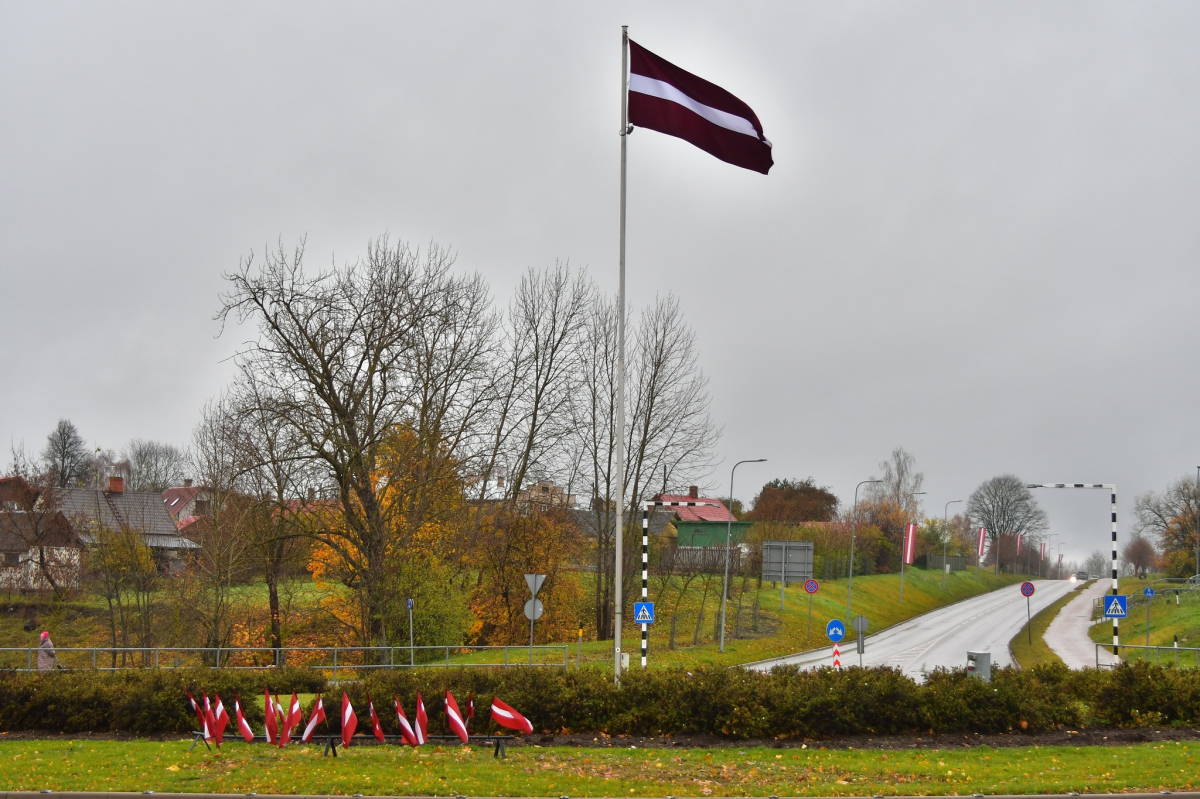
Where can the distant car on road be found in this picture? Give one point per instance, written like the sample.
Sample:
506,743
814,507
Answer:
1081,576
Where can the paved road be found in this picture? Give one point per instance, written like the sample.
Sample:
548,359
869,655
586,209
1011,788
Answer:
942,637
1067,635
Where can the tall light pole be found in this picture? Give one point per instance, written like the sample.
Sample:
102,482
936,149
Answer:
946,535
728,543
1050,545
903,546
853,533
1058,563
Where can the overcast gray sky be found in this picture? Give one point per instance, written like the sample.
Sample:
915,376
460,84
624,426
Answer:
979,240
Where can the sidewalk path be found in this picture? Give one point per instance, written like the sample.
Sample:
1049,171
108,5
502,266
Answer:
1067,634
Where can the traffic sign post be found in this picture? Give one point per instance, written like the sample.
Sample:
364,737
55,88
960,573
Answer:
860,629
533,607
643,612
1027,592
1116,606
810,587
411,659
1149,594
836,631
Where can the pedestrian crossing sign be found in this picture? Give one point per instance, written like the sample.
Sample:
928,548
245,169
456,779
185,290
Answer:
1115,607
643,612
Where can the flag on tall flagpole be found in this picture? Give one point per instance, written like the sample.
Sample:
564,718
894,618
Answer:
1020,540
1043,550
982,541
910,543
670,100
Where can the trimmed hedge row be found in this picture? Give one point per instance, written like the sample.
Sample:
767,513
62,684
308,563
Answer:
732,703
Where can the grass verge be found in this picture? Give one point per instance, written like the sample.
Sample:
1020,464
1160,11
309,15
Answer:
1029,654
1169,617
64,765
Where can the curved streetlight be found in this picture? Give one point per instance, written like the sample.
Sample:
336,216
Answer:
854,532
728,543
1049,545
945,535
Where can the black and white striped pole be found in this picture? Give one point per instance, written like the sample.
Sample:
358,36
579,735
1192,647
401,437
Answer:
646,557
1112,488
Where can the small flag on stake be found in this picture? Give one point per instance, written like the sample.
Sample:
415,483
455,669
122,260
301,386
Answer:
315,718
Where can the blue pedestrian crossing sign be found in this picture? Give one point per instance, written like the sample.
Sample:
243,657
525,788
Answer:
1149,592
836,630
1115,606
643,613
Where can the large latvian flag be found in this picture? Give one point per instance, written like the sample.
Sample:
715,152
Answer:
665,98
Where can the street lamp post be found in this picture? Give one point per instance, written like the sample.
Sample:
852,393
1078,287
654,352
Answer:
853,533
946,535
729,543
1049,544
903,549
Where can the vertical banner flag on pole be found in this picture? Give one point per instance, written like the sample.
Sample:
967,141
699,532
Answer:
1020,540
982,541
910,543
1043,550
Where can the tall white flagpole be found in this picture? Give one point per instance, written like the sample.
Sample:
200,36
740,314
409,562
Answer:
619,526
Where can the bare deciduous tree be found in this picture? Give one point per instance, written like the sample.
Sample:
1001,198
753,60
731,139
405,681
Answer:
66,454
1006,507
1172,518
153,466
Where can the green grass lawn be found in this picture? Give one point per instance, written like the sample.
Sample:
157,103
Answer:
1029,654
66,765
1167,620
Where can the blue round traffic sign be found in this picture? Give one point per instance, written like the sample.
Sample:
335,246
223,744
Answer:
811,586
1149,592
1026,588
836,630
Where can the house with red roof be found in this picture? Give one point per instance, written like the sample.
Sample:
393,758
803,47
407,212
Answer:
704,525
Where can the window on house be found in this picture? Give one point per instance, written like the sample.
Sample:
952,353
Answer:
12,558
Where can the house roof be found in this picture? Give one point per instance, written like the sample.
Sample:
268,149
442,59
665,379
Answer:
144,512
699,513
589,520
176,499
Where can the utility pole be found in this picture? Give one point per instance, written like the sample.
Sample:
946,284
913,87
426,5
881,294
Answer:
853,532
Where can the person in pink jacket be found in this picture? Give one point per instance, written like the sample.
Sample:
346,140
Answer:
46,652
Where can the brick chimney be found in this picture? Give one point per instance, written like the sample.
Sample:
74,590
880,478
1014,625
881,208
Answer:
116,485
187,483
693,492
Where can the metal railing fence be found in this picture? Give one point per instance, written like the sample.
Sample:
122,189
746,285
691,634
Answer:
324,658
1155,654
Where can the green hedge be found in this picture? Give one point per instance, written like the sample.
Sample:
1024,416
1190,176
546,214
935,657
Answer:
730,703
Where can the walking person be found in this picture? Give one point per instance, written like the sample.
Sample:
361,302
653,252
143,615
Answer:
46,656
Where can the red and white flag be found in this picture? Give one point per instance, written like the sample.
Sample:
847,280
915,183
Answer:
222,719
982,540
349,720
508,717
291,719
376,728
315,718
406,730
422,721
454,718
243,726
200,717
910,543
670,100
272,717
211,723
1043,550
1020,541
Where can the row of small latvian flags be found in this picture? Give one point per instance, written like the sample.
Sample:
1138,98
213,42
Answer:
281,721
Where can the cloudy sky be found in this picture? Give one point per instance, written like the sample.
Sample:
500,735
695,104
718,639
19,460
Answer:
979,240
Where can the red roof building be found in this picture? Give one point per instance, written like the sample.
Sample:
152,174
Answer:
716,512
